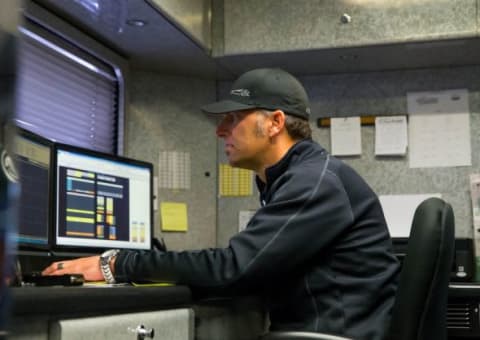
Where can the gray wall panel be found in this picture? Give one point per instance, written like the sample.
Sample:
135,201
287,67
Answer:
376,22
256,26
164,110
165,115
384,93
253,26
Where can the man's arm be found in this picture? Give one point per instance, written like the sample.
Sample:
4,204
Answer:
302,220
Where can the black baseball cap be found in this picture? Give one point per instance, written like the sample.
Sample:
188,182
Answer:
265,88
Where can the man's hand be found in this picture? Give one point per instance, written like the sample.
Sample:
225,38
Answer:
88,266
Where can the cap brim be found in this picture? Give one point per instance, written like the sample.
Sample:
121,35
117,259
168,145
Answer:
225,106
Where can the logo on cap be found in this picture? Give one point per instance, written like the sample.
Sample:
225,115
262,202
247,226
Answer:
241,92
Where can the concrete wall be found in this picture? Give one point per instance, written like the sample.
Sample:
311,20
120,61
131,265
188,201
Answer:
164,115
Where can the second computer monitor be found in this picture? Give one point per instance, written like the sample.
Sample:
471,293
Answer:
32,155
101,201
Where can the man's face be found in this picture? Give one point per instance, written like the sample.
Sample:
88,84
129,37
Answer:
245,140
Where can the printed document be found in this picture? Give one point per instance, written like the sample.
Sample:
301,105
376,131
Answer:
391,135
439,129
346,136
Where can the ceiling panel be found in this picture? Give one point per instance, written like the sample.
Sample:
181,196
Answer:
158,45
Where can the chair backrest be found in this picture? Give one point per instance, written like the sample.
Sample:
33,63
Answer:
420,308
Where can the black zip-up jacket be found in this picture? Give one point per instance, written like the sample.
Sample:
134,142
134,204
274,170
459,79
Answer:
318,250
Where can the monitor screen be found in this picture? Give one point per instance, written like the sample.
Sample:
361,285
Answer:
101,201
32,155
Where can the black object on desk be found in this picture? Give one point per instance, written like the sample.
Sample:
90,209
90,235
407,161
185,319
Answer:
463,267
37,279
159,244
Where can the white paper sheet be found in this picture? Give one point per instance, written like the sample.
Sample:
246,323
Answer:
439,129
399,210
346,137
475,197
244,216
391,135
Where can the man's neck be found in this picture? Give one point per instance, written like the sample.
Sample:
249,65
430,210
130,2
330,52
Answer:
280,148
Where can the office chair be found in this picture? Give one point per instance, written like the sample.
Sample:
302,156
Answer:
420,308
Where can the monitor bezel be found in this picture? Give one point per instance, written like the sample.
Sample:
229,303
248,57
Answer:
88,152
36,138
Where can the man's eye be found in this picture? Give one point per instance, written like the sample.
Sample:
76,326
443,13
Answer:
231,118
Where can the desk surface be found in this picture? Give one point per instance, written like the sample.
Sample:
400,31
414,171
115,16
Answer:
101,300
97,300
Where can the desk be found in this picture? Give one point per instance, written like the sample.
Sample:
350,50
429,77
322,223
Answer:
39,312
36,309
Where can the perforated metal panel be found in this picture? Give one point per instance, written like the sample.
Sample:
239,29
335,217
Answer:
463,319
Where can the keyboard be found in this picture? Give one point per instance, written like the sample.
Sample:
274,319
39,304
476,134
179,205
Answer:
37,279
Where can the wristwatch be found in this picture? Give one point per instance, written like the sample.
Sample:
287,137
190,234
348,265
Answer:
105,260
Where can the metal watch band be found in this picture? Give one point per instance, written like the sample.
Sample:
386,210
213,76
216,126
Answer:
105,259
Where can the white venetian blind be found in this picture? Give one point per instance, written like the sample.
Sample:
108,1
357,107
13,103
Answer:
65,94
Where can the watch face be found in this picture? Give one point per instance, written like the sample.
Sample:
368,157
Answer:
103,260
106,257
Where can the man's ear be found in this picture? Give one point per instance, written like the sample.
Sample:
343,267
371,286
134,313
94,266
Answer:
277,119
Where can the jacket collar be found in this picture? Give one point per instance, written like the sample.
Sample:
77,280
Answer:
276,170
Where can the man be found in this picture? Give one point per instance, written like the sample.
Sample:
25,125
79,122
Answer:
318,249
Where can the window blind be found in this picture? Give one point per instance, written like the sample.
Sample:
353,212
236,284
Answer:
65,94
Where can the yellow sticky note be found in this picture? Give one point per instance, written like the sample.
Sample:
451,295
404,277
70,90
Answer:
235,181
173,216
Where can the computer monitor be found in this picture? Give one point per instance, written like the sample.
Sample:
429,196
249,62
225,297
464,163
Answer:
101,201
32,156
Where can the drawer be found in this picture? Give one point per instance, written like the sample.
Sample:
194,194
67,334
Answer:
175,324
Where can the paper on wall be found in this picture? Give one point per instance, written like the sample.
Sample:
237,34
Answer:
475,197
174,170
244,216
346,138
439,129
174,216
391,135
234,181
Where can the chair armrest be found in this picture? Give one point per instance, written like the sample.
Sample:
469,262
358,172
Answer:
301,335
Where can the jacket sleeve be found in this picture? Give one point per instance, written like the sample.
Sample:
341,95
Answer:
302,219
